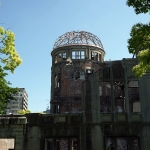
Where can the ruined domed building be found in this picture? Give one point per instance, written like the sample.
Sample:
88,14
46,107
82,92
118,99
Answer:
95,104
75,56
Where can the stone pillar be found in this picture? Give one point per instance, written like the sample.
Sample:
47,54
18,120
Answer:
144,90
112,92
19,141
125,65
32,140
91,113
97,137
126,94
94,98
85,109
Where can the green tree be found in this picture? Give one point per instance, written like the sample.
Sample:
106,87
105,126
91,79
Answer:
26,111
9,56
144,63
5,91
139,43
140,6
9,60
140,38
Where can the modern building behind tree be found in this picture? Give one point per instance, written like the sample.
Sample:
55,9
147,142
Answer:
20,102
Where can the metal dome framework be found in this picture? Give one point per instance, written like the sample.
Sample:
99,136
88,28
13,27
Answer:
78,38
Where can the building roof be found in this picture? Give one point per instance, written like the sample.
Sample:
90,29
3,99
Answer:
78,38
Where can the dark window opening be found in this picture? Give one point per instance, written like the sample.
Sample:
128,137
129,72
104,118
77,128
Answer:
72,75
134,99
60,56
57,81
77,75
120,104
122,143
105,97
94,56
56,108
110,148
100,57
49,144
61,144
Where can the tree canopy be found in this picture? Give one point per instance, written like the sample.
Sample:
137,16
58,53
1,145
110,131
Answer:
9,56
139,43
9,60
140,6
144,63
140,38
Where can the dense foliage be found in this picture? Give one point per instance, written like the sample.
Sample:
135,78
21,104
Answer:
139,43
140,38
9,60
140,6
5,91
144,63
9,56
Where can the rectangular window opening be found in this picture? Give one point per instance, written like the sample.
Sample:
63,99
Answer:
122,143
64,56
82,55
61,144
78,55
73,55
94,56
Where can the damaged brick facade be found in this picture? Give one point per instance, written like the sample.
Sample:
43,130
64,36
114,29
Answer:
71,65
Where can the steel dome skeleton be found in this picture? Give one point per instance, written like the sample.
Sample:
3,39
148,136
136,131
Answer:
78,38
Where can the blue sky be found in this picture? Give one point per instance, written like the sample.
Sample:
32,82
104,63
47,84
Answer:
38,23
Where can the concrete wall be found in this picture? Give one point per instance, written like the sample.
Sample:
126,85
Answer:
145,107
13,127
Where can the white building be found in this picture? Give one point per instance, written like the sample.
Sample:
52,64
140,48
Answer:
47,110
20,102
